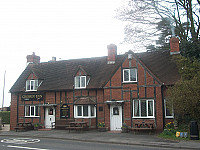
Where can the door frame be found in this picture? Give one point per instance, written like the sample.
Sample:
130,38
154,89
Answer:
117,116
47,117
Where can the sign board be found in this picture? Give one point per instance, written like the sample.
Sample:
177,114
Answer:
65,111
32,97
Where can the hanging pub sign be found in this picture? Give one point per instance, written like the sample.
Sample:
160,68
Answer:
65,111
32,97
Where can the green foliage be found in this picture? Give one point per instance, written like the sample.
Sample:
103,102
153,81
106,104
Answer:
169,132
124,126
185,94
190,49
5,116
188,68
37,125
101,125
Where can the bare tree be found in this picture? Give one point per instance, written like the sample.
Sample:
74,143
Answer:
143,16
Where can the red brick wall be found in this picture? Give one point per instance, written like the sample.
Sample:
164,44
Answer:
151,91
148,88
13,112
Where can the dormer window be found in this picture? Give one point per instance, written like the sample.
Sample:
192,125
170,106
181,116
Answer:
31,85
130,75
80,82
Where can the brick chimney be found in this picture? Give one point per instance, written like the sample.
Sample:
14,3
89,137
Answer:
33,59
112,53
174,45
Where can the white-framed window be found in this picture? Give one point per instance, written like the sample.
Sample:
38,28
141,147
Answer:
130,75
143,108
80,82
31,85
84,111
169,113
31,111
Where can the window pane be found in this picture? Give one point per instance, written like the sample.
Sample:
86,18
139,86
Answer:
143,108
92,110
150,108
32,85
82,81
27,111
79,110
77,81
168,110
85,110
28,85
136,108
36,84
126,75
32,111
132,74
36,111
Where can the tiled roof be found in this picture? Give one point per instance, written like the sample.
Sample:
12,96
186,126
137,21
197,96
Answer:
162,65
59,75
85,100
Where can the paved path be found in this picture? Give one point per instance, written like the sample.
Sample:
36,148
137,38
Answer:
106,137
6,127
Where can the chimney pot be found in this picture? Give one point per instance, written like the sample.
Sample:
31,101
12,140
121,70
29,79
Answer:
174,45
53,58
112,53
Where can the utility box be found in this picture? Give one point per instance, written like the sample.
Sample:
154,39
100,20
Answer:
194,130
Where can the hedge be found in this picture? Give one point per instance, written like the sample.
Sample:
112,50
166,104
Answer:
5,116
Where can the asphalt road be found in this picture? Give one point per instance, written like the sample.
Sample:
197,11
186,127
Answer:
14,143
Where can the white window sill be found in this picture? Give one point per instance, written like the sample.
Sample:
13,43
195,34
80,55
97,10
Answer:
129,81
80,88
85,117
32,116
169,117
143,117
31,90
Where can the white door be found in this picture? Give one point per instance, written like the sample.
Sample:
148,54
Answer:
49,116
115,117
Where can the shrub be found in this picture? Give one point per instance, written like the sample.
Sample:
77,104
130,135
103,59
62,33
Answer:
5,116
124,126
101,125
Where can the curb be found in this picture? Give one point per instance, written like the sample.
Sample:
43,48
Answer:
109,142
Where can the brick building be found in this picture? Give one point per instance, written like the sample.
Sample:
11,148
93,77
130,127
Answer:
113,89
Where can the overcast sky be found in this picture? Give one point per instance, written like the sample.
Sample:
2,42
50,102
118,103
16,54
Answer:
65,29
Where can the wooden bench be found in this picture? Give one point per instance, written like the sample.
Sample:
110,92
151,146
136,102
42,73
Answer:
74,128
61,124
78,126
24,126
142,126
20,128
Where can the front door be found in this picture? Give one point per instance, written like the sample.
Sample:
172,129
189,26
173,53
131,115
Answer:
49,116
115,117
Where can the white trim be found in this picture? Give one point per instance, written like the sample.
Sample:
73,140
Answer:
81,78
34,107
115,120
112,102
34,85
89,111
130,76
147,100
